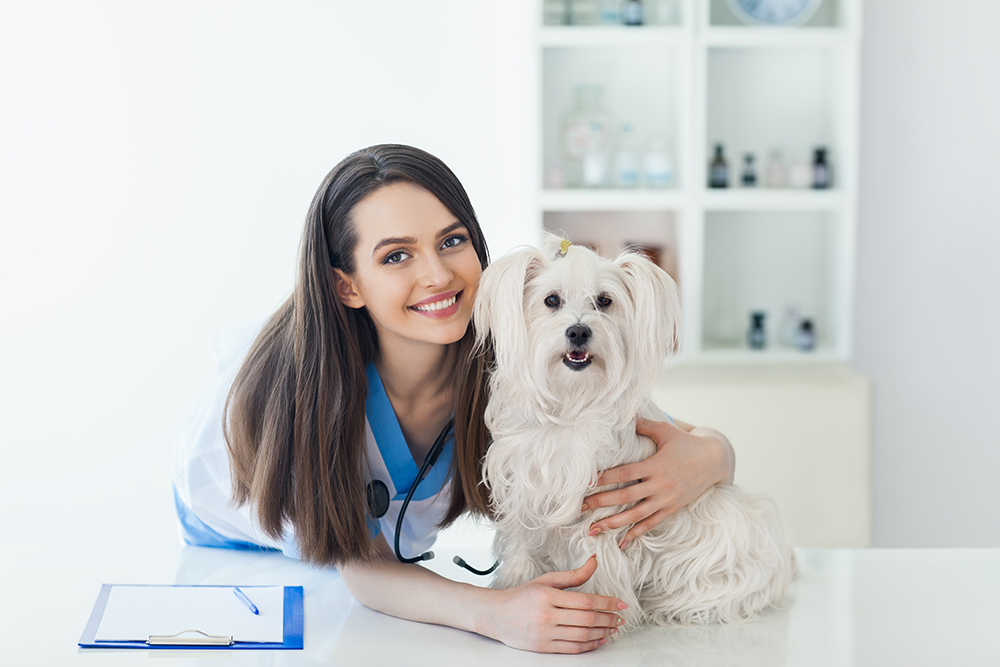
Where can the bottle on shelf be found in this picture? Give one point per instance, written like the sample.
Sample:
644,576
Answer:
757,336
800,173
805,339
626,164
632,13
595,159
611,12
586,139
789,329
776,173
749,176
820,170
657,163
718,170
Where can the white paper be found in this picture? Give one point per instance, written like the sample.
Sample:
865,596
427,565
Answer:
135,612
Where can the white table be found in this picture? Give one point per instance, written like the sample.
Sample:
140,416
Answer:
874,607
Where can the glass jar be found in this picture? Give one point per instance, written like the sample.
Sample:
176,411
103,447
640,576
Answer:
586,140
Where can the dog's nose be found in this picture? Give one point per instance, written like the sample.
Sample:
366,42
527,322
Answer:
578,334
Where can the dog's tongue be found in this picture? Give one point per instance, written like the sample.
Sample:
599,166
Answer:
578,356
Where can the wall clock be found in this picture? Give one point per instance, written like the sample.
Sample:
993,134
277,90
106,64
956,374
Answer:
774,12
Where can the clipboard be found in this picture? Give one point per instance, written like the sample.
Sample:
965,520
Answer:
194,638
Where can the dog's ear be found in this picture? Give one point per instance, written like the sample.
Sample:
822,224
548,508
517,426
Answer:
657,309
499,310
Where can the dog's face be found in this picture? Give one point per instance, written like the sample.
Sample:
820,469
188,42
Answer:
576,325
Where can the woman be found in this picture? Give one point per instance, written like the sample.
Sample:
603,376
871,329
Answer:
350,383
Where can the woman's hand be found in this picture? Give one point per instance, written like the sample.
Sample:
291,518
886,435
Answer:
687,461
542,616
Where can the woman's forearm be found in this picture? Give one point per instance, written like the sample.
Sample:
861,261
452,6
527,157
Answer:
417,594
540,615
725,450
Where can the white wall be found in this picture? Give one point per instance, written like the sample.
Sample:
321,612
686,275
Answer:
928,303
156,163
157,160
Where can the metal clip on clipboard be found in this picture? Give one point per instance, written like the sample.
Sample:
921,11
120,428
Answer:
177,639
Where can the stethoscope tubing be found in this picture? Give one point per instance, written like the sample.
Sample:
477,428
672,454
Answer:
429,460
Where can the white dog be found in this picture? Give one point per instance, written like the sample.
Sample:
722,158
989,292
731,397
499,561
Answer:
579,342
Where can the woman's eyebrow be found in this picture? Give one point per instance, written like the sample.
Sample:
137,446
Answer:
450,228
393,240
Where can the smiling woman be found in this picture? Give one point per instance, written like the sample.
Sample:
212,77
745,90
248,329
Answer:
301,403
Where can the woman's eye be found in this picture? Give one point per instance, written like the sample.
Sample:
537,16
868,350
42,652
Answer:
453,241
603,301
395,257
552,301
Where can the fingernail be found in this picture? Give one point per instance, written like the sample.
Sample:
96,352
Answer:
623,544
594,530
584,508
614,630
602,640
622,605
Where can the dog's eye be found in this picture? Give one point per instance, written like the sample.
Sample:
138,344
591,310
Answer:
553,301
604,301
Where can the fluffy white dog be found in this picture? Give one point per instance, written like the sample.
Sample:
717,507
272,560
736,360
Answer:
579,342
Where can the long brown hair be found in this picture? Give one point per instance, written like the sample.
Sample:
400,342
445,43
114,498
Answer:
294,420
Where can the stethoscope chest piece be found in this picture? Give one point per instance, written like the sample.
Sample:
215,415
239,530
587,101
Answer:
377,495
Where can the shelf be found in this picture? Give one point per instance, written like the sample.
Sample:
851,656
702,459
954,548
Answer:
774,200
576,36
610,200
778,37
745,356
735,199
756,90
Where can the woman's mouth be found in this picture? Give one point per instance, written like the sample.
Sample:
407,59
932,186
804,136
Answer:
441,308
437,305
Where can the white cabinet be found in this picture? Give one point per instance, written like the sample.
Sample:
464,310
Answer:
801,434
705,80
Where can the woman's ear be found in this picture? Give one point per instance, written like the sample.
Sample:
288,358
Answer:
346,291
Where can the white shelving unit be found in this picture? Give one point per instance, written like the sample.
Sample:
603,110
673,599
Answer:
710,80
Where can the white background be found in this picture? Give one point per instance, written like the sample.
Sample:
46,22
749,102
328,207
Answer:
157,160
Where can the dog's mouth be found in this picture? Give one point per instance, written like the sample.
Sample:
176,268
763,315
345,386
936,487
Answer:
577,359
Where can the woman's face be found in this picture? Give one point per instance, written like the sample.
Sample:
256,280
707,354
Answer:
416,269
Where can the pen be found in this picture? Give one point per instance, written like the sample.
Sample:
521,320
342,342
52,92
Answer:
241,595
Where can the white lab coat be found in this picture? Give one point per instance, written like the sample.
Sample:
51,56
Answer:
203,488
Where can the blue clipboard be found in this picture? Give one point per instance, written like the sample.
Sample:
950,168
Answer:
292,629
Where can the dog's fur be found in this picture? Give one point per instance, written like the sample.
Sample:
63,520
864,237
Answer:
558,421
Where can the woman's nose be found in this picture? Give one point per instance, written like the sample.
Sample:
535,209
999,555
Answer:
436,272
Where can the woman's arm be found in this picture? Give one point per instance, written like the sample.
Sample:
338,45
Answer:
688,460
537,616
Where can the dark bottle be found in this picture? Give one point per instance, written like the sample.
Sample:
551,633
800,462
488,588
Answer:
749,177
718,171
821,170
632,12
805,337
756,337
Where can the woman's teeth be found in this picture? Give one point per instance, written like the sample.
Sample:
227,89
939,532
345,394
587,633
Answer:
437,305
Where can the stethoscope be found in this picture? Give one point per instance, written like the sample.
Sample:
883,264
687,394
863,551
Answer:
378,503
